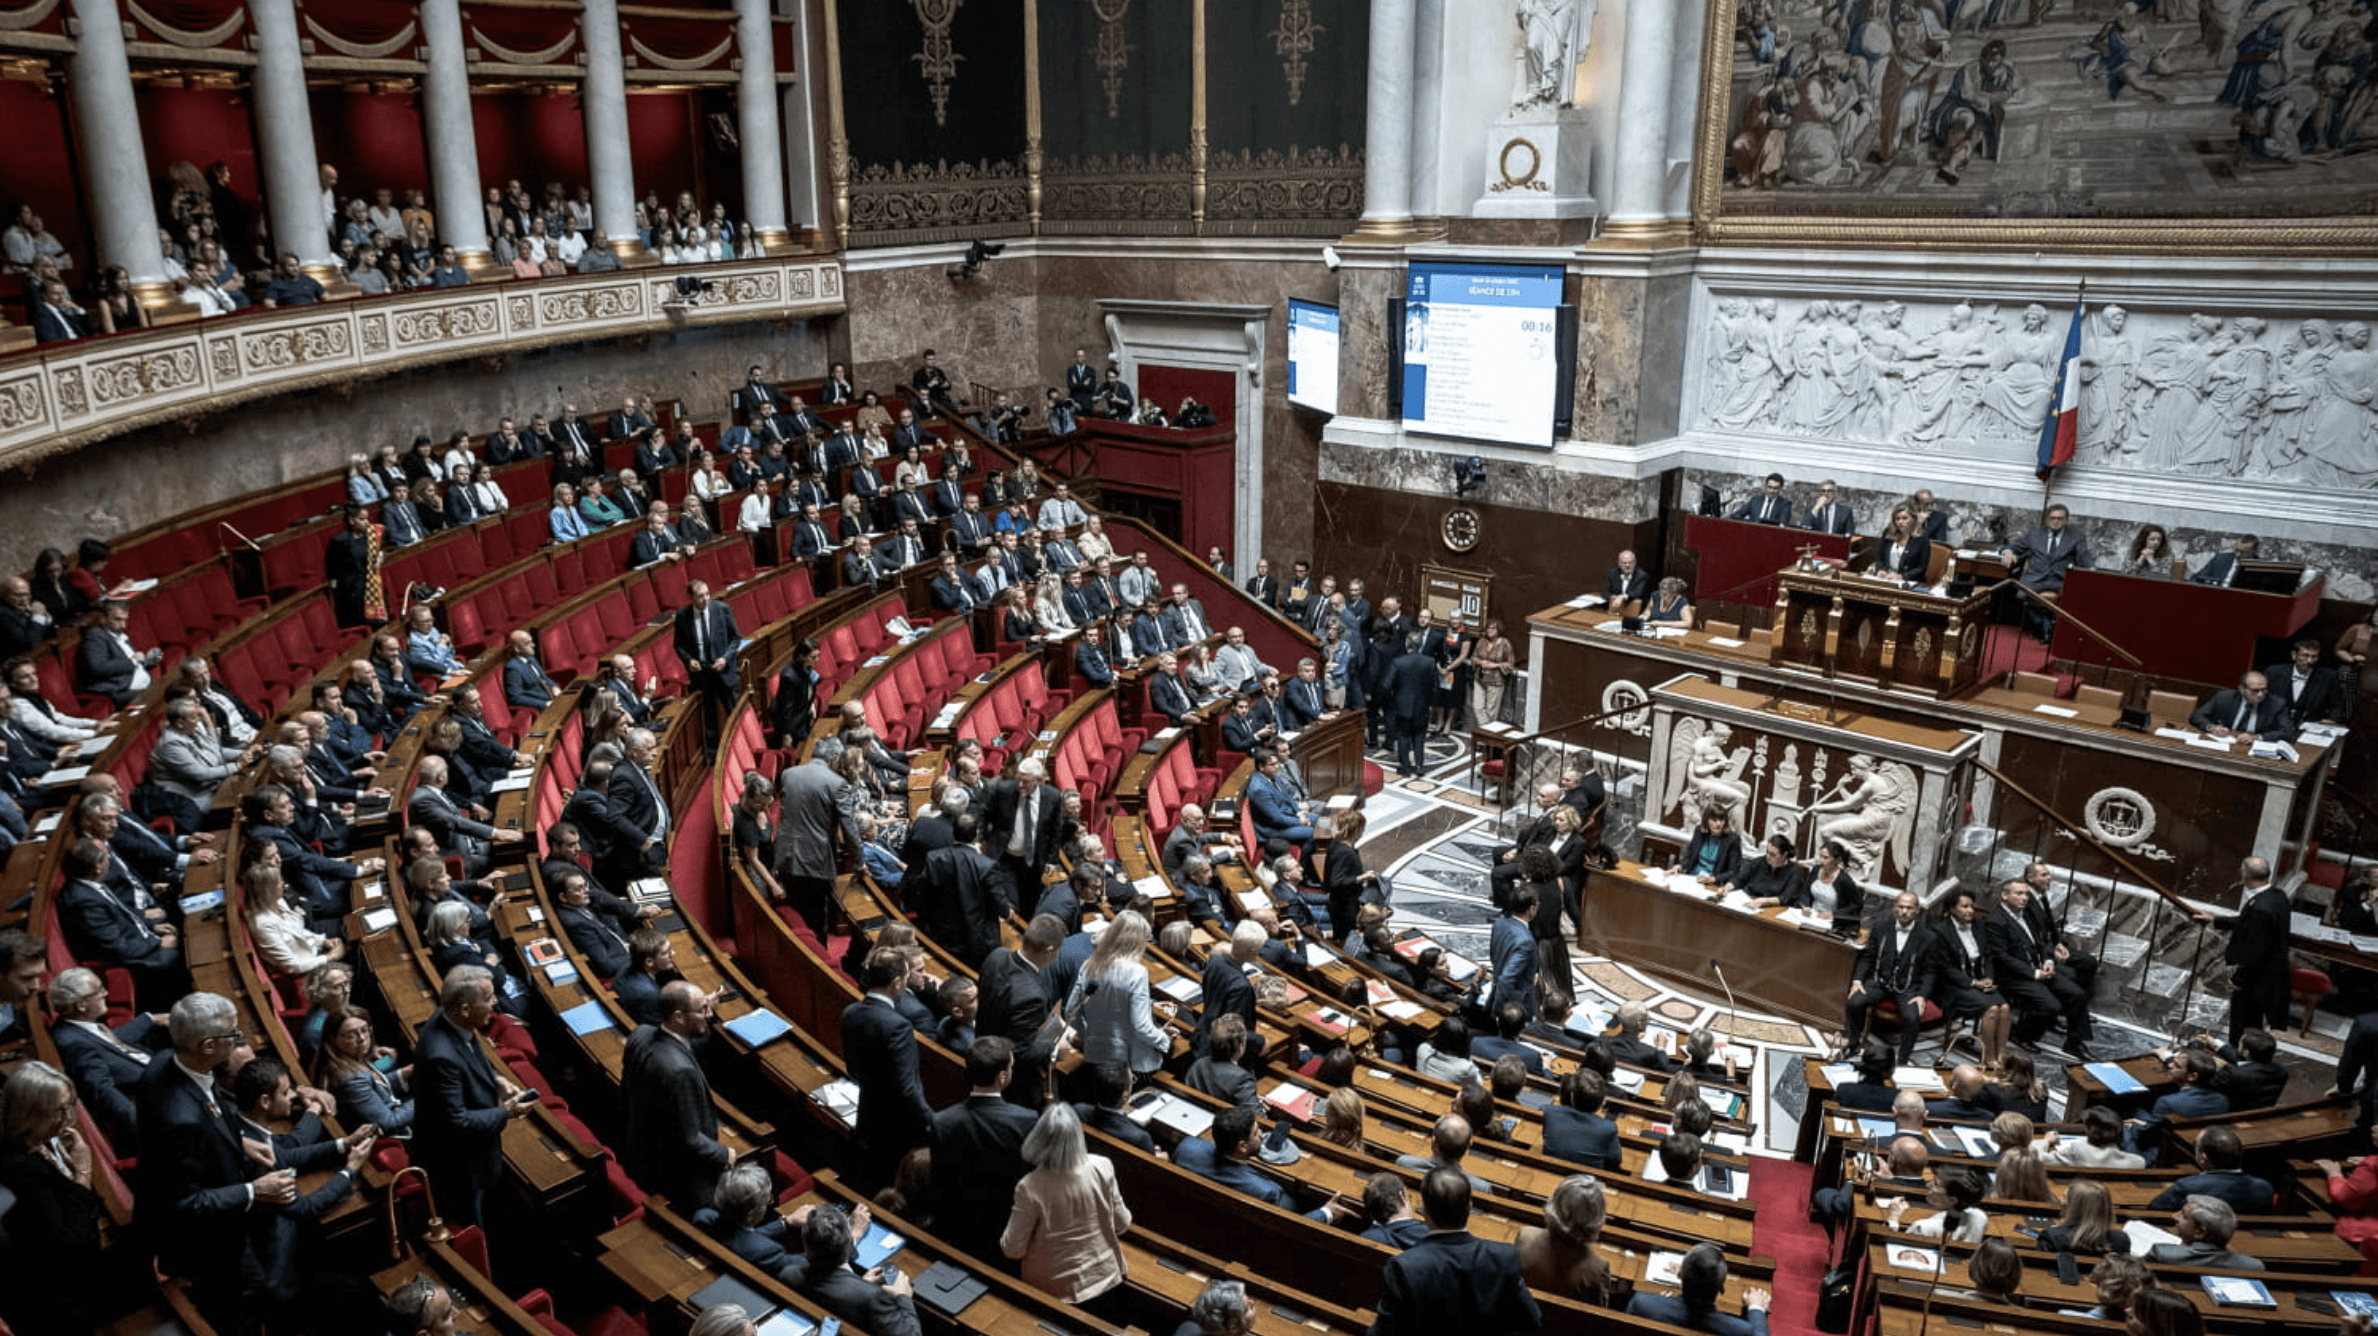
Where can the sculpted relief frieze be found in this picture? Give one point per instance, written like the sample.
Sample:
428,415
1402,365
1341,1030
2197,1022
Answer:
2251,395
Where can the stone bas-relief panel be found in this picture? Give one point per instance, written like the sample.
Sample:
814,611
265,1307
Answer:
2188,393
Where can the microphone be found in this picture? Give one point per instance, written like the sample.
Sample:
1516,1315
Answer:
1731,1012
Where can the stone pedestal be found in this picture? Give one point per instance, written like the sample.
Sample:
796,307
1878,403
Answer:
1537,166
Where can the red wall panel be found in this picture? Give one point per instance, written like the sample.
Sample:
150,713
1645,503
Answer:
37,160
661,129
374,139
1167,385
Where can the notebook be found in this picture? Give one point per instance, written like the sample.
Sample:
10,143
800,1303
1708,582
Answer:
2239,1290
757,1027
946,1288
877,1248
587,1018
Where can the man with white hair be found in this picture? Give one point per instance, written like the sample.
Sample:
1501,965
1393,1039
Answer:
233,717
191,760
1021,828
459,1118
432,807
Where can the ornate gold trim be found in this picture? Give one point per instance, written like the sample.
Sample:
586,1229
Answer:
1644,234
1034,158
1293,39
1197,114
200,40
2358,235
701,62
364,50
937,60
906,203
837,138
1113,53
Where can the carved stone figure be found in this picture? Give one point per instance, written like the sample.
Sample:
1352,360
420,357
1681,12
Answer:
1704,776
2109,377
1552,39
1871,812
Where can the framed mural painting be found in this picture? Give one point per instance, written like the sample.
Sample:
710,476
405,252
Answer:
2213,125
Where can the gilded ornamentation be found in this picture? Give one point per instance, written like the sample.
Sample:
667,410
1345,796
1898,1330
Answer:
1300,192
121,379
1522,177
600,304
1808,627
20,403
1113,53
1865,637
224,353
295,347
938,61
1293,39
1093,193
1923,646
942,201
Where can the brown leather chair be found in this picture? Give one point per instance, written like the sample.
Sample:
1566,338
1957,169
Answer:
2170,707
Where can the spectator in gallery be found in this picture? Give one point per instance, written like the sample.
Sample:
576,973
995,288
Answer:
291,285
448,272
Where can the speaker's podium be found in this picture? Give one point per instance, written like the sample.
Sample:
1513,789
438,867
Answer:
1875,630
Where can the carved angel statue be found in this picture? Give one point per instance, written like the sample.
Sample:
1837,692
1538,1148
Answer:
1703,775
1873,808
1552,39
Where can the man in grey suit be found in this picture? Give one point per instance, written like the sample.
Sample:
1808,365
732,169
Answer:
2041,558
190,759
2205,1226
671,1141
806,859
432,807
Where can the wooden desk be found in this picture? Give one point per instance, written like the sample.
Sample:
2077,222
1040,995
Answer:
1878,631
2197,633
1773,966
1739,560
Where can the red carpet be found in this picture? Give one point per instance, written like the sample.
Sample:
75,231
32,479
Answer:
2005,648
1783,1231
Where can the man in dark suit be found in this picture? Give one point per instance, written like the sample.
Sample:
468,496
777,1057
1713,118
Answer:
959,899
1575,1129
107,664
1628,1045
1830,514
1896,965
432,806
2195,1098
1932,523
1702,1277
2222,569
636,806
1226,990
101,926
1768,505
1021,827
954,591
2225,1177
706,640
1302,702
600,937
2041,559
347,564
1511,949
745,401
1511,1022
1263,586
107,1066
2313,694
879,1046
1017,998
461,1102
1451,1280
1109,1085
2357,1064
2033,981
879,1302
196,1182
631,420
2249,712
978,1150
1404,696
2253,1079
669,1133
2257,951
1627,582
56,318
527,686
1166,694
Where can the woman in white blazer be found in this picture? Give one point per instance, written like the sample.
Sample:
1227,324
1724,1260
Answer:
1069,1218
1109,1003
290,949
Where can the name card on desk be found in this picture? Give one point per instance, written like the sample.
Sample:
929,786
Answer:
2061,712
2177,734
2210,744
379,919
1725,642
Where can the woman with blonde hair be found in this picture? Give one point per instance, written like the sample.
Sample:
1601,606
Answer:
1048,603
1109,1002
1069,1219
1342,1119
362,488
2021,1177
289,947
1560,1257
2087,1225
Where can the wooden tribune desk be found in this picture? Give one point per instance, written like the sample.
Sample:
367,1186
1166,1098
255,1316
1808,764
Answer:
1773,966
1878,631
2178,629
1739,560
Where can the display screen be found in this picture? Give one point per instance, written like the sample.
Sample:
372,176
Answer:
1313,355
1481,352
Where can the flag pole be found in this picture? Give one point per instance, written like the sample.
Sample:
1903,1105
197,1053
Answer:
2060,430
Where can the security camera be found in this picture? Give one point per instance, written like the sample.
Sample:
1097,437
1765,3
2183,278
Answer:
1329,258
1468,473
972,266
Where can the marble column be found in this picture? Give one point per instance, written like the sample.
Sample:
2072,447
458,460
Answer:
610,161
453,144
285,127
805,204
758,124
1639,168
107,131
1684,107
1387,125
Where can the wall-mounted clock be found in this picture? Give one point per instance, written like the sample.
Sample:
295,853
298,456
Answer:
1461,529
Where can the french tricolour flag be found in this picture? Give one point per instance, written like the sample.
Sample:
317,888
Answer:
2062,430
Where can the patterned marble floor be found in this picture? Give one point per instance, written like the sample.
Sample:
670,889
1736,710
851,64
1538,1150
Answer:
1434,837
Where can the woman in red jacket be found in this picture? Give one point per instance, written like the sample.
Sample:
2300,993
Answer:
2355,1197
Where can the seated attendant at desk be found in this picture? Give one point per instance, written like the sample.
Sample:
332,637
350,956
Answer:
1931,523
2247,711
1830,514
2150,554
2221,570
1902,550
1670,605
1626,583
2358,914
1774,879
1768,506
1715,852
1831,890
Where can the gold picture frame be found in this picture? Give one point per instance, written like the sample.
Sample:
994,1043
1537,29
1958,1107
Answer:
1872,224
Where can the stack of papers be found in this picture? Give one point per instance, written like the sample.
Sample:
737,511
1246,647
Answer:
2143,1236
840,1098
1917,1078
1295,1101
1586,601
2177,734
